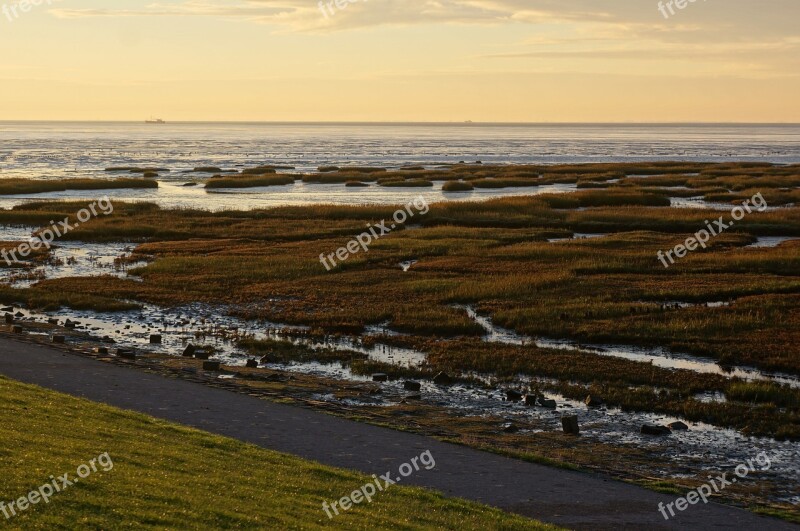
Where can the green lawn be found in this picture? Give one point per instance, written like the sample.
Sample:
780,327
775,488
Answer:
168,476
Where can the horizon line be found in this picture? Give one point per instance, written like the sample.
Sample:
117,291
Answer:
389,122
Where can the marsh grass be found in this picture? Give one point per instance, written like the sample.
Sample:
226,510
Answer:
34,186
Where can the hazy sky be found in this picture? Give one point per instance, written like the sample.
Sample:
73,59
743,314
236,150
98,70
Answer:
415,60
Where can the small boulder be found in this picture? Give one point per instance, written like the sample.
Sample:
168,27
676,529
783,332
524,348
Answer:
409,385
189,351
9,318
17,329
70,325
593,401
652,429
201,354
678,426
155,339
126,353
101,350
513,396
380,377
548,403
211,365
53,321
58,339
416,396
442,379
569,423
7,309
530,400
252,364
509,427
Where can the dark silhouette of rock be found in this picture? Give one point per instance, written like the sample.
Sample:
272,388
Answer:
570,424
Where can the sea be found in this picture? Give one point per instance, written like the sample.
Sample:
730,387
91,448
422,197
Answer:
59,150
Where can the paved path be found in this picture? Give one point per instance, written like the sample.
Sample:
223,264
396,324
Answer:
571,499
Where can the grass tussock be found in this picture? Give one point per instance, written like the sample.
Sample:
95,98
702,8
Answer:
36,186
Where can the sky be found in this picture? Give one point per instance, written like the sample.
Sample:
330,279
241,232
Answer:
401,60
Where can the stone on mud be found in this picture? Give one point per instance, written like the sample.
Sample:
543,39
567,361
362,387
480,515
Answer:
569,423
652,429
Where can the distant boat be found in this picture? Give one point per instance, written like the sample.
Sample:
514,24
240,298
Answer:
155,121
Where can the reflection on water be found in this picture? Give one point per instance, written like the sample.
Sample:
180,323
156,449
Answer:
173,195
658,356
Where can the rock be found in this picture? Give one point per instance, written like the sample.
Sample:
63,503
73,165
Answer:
58,339
380,377
652,429
7,309
593,401
9,318
678,426
126,353
570,424
530,400
252,364
211,365
69,324
442,379
513,396
17,329
414,397
155,339
509,427
19,315
409,385
53,321
548,403
201,354
101,350
189,351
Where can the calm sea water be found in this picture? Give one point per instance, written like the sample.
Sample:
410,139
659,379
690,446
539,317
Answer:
63,149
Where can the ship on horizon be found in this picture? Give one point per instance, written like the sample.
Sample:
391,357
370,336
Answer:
154,121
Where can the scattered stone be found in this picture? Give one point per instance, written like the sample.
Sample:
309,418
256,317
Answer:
101,350
513,396
17,329
414,397
155,339
252,364
211,365
53,321
189,351
530,400
409,385
380,377
652,429
593,401
570,424
201,354
126,353
678,426
9,318
58,339
442,379
70,325
548,403
19,315
509,427
7,309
